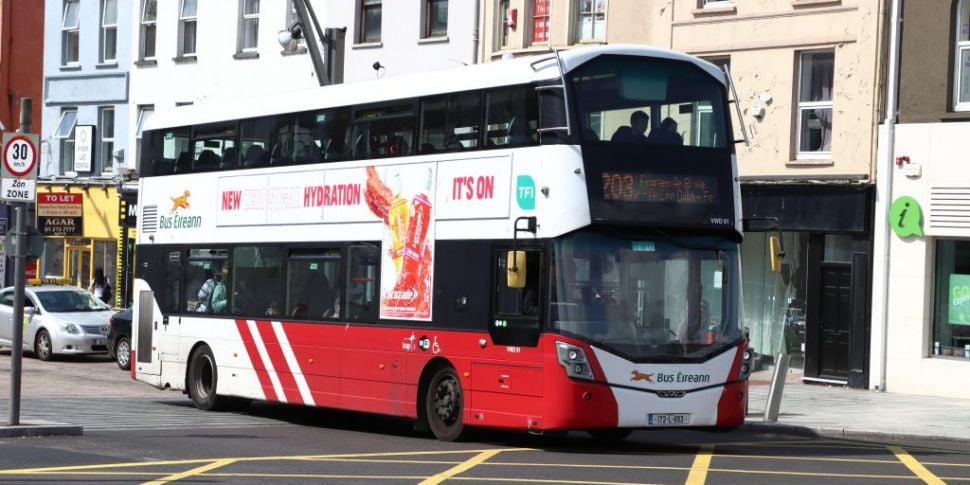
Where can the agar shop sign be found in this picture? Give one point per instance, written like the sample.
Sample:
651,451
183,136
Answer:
60,214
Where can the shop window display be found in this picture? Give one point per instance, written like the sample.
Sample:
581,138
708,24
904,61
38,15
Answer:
951,315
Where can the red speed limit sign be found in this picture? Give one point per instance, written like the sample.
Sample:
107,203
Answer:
19,169
19,155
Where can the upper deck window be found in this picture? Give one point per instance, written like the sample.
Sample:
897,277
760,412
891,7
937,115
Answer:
625,99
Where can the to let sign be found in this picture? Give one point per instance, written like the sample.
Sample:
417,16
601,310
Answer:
19,168
60,214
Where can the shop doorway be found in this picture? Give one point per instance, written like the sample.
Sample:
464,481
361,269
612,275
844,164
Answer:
835,321
79,265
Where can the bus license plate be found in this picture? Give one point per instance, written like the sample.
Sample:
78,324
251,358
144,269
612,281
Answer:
668,419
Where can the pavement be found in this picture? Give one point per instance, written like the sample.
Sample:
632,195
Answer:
834,411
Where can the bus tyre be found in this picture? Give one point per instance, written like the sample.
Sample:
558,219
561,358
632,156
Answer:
203,377
610,435
444,405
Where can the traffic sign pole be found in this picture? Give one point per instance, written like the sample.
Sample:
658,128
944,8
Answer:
22,163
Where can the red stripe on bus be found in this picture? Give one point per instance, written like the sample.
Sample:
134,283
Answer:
257,361
283,371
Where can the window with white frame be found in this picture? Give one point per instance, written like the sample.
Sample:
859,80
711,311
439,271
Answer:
188,21
540,21
144,112
591,20
814,120
961,85
717,2
248,25
109,30
106,130
149,10
435,18
369,21
65,134
71,32
502,26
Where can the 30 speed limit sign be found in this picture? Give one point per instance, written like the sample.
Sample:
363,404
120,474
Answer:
19,168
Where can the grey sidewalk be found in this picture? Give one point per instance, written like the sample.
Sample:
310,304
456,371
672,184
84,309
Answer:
841,412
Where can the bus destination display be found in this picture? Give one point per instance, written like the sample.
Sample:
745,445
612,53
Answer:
652,187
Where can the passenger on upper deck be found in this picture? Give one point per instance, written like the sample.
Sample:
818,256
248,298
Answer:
639,121
666,133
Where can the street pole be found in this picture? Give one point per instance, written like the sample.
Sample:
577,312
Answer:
19,279
310,34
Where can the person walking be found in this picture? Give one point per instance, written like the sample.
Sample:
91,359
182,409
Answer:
100,287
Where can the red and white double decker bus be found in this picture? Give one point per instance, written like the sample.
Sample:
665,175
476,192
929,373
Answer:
537,244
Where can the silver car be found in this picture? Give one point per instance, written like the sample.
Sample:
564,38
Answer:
57,320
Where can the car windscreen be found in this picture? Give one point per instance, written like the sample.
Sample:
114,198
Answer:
70,301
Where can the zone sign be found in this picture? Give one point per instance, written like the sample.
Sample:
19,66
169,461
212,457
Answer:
19,169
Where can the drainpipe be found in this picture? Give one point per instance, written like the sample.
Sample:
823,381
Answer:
884,190
476,34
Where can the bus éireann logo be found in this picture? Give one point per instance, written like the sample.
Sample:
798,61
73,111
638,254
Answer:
641,376
180,202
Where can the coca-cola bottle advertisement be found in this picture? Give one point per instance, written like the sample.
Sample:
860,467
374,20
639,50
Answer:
407,261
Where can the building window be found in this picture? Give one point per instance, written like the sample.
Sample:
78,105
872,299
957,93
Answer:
814,123
540,21
109,30
106,130
591,20
144,112
248,25
503,25
71,32
962,52
369,21
65,133
717,2
435,18
188,21
148,14
951,315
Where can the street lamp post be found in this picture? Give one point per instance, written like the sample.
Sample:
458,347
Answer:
328,67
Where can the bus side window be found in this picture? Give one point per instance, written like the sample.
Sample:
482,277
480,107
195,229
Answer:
512,116
257,285
383,132
518,302
173,282
450,123
313,285
362,285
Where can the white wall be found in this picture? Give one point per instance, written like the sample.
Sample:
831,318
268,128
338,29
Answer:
217,74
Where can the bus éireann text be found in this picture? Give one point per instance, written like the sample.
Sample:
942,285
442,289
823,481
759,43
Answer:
548,243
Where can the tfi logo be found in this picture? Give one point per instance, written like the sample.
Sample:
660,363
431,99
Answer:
525,192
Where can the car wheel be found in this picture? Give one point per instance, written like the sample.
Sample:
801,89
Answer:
202,380
43,347
444,405
123,353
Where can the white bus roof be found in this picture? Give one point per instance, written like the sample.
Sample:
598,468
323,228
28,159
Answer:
480,76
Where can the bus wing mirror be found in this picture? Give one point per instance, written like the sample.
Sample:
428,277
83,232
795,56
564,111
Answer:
515,273
777,253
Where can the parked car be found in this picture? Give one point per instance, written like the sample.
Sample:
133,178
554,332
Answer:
57,320
119,338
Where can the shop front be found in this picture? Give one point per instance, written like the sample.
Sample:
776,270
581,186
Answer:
79,222
815,308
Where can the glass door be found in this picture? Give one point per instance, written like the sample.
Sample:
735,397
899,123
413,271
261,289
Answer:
79,265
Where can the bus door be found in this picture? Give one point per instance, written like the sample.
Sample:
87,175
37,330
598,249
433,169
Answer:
517,308
156,319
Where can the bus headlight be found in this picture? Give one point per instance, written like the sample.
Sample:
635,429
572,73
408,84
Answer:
746,362
573,360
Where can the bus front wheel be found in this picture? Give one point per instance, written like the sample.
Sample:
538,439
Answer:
203,377
444,405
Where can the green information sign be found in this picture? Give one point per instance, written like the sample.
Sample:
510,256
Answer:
958,305
906,217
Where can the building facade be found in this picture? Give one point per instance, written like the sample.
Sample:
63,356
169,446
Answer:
927,303
21,67
84,147
807,74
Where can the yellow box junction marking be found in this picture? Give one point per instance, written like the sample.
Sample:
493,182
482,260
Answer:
189,473
702,462
915,466
461,467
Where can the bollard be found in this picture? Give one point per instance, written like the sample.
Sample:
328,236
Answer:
777,386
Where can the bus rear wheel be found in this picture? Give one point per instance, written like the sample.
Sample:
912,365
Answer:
202,381
444,405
